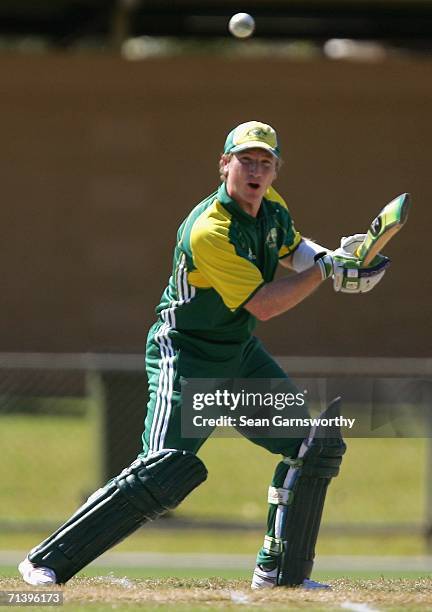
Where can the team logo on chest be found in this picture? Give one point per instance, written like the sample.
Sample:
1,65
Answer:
271,238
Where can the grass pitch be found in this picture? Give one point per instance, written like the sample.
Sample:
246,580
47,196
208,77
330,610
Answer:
121,594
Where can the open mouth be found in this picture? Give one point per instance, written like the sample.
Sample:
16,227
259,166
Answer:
254,185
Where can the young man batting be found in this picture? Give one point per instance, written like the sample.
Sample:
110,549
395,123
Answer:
227,252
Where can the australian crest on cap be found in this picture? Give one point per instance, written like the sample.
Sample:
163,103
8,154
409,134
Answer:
255,130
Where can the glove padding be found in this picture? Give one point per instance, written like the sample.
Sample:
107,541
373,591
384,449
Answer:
348,274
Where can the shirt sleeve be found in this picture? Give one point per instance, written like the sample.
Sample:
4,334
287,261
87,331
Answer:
235,278
293,240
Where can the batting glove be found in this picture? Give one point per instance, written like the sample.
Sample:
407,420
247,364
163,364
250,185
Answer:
348,274
345,268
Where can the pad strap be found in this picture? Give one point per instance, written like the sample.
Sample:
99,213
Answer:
293,461
273,546
279,496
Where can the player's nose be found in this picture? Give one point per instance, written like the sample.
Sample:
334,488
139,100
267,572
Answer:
254,168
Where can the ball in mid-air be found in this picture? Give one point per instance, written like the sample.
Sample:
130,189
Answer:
241,25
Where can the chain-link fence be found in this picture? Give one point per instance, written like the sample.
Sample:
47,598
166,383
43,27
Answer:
70,422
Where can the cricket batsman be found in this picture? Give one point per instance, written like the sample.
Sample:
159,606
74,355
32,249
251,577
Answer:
227,252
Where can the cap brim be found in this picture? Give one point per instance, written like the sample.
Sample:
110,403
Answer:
254,145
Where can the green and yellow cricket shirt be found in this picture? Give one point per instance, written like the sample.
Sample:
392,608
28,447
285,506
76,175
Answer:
222,257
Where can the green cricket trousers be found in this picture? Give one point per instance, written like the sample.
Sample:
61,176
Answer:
170,358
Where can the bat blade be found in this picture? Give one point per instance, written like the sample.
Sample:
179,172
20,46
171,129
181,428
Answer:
389,221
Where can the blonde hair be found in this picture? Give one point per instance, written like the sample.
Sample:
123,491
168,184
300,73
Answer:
223,159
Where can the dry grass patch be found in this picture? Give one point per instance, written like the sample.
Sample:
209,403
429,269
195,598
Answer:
383,594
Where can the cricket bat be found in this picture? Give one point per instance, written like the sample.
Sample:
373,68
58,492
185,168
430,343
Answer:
384,227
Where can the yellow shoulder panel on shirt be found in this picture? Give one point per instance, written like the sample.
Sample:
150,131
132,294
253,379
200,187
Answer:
274,196
216,261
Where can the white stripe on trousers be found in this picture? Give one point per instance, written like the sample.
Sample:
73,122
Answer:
163,396
162,411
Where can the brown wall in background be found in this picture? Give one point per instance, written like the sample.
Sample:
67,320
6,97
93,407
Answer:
100,160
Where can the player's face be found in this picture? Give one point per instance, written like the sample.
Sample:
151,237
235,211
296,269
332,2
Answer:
249,174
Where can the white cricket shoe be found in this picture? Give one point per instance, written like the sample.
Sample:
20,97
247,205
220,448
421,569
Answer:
35,574
263,578
267,579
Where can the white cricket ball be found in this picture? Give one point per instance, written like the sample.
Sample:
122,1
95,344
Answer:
241,25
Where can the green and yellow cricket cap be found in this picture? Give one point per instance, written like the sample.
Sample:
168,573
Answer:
252,135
